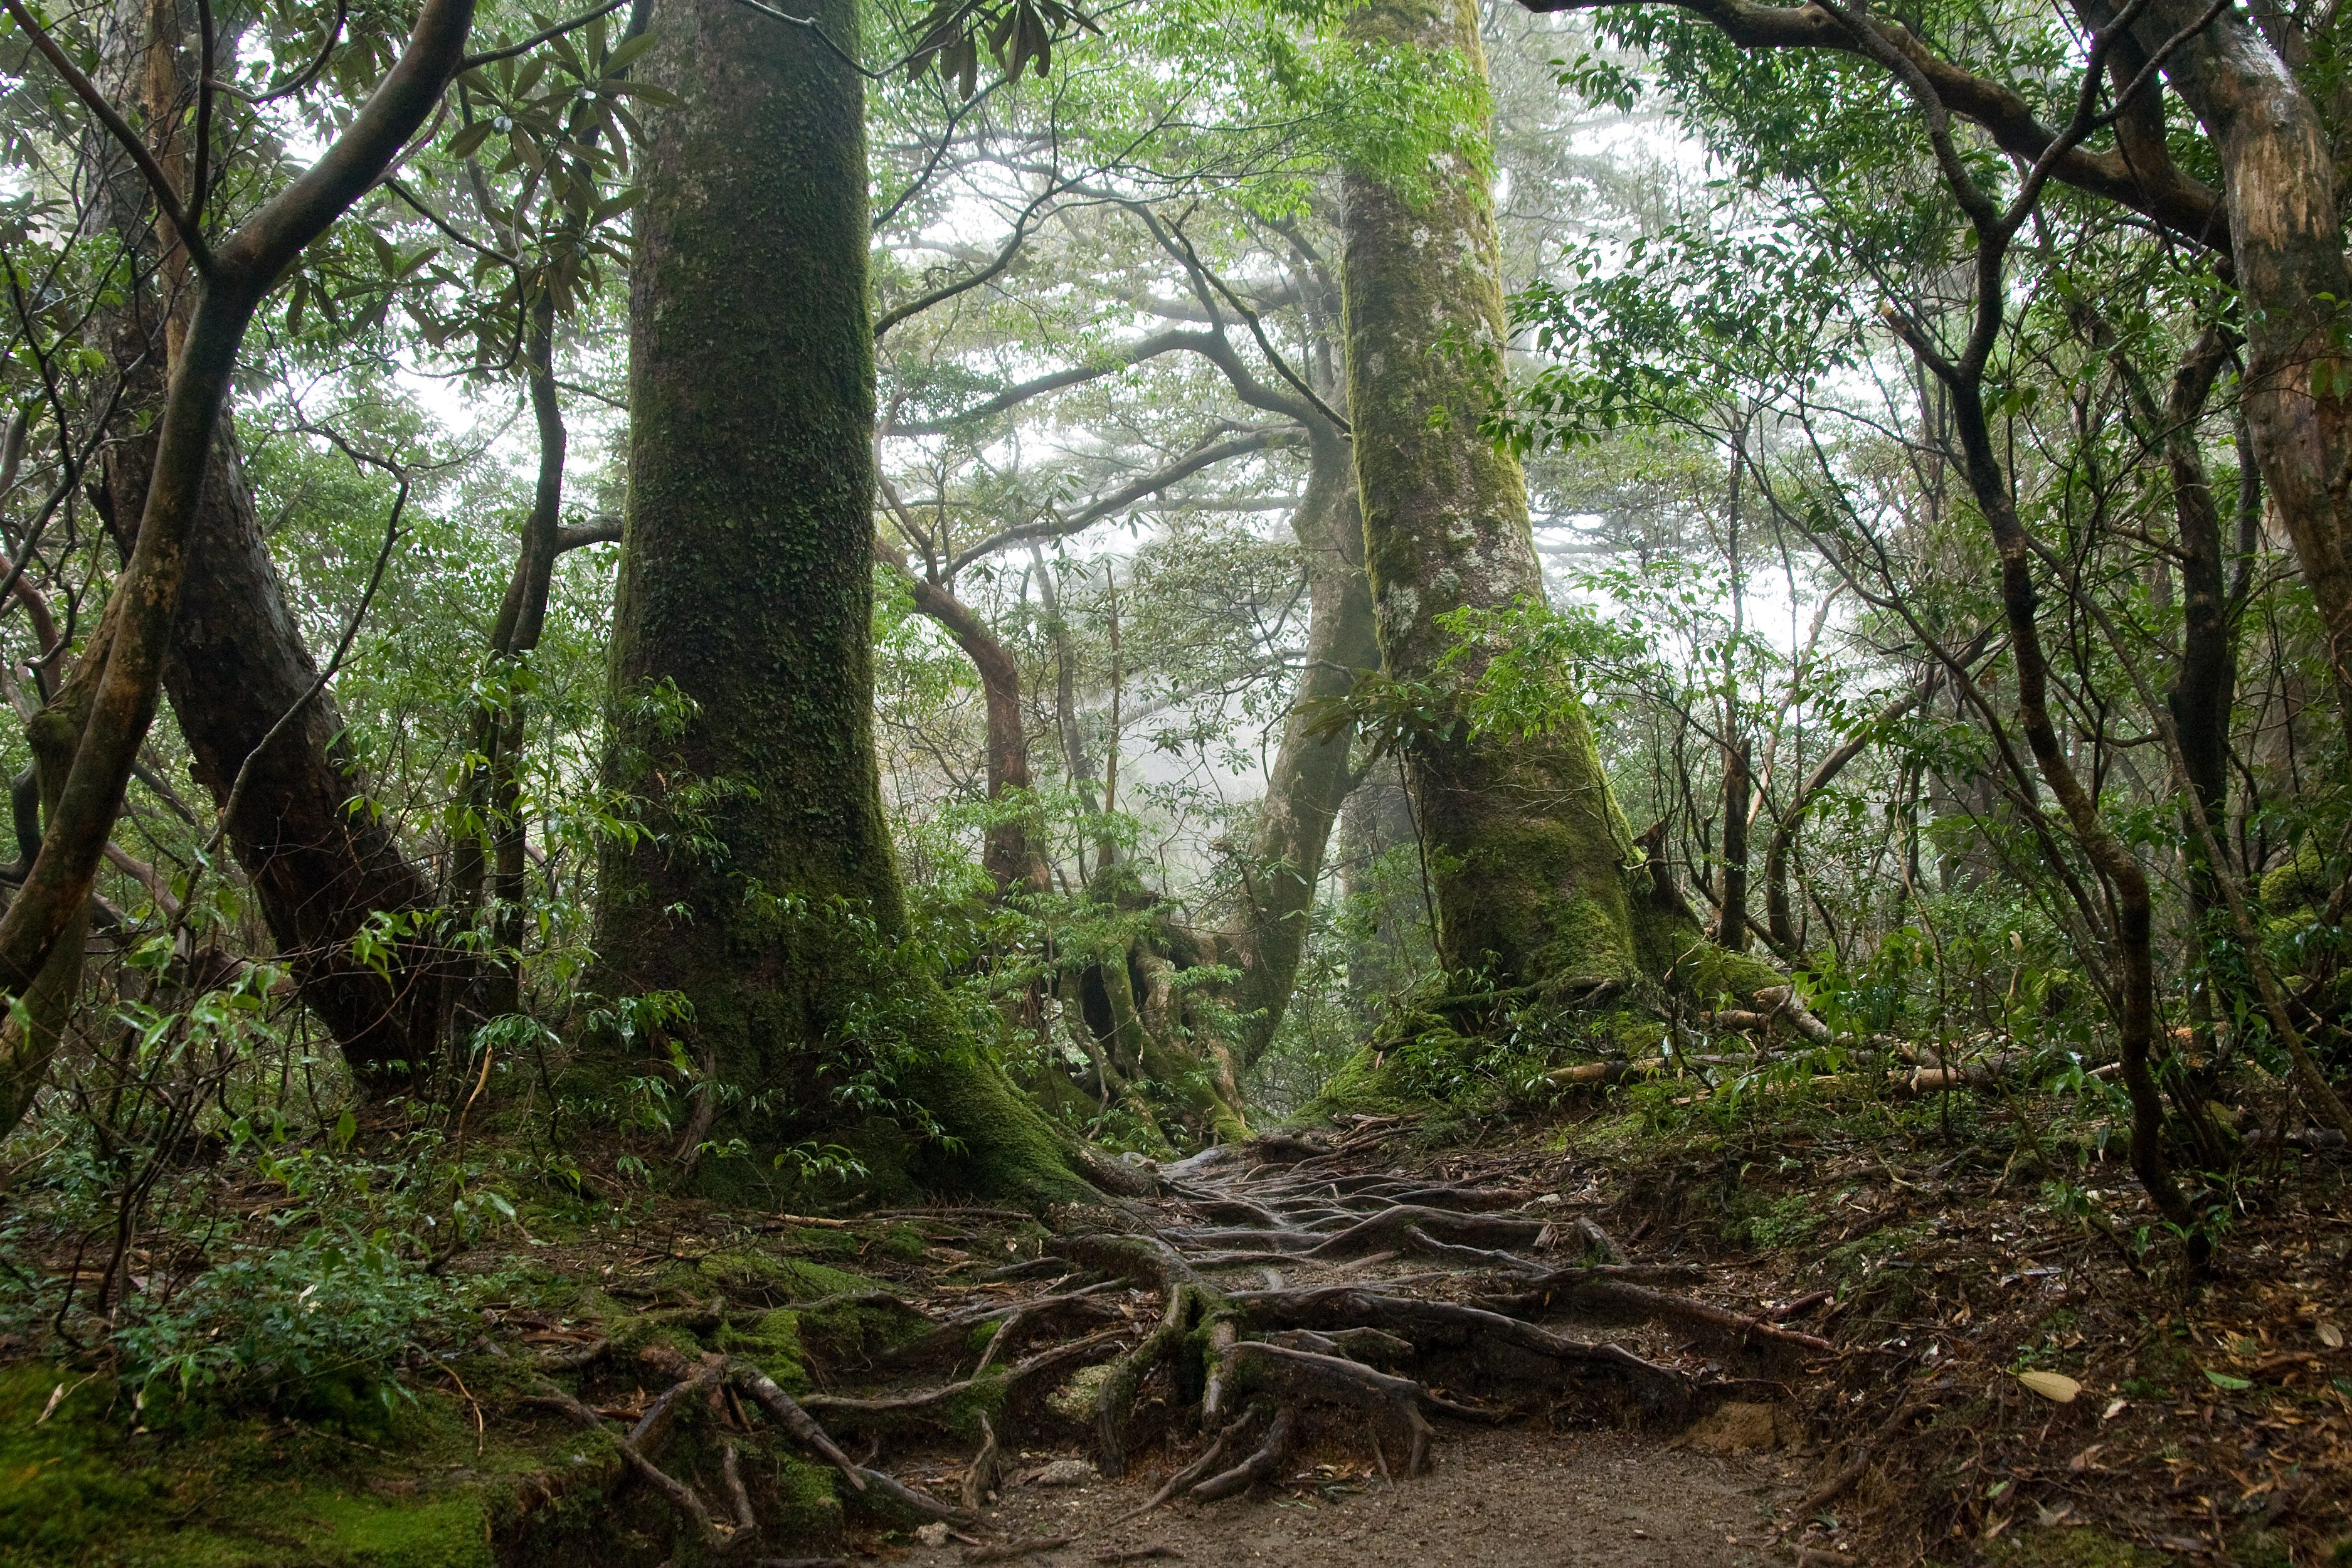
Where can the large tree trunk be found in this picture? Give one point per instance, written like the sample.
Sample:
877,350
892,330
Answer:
765,892
1311,777
238,662
1525,846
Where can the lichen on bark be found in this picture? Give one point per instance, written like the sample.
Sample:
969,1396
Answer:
1531,862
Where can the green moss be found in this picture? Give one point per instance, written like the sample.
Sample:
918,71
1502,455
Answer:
2083,1547
793,1278
904,1243
92,1486
773,1345
1774,1223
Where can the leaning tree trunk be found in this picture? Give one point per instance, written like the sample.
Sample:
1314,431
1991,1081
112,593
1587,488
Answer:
764,892
1527,849
238,662
1311,776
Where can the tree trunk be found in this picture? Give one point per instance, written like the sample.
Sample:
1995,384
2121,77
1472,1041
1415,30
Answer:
2286,238
239,661
1738,795
1525,846
238,274
1310,779
764,892
1007,852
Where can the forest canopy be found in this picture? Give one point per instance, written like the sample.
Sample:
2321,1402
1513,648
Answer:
713,607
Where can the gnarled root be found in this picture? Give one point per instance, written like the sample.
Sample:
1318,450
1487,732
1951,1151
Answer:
1187,1305
1261,1466
1252,1366
1226,1441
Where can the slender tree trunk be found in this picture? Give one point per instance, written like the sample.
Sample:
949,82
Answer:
1007,852
2286,234
500,728
765,892
1738,796
1311,778
237,273
238,659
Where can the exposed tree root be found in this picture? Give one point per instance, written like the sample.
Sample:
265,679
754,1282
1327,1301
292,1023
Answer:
1226,1442
1036,1375
1261,1466
986,1471
1007,1551
688,1502
1318,1343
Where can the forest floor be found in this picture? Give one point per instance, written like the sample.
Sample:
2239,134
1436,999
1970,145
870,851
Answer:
1841,1340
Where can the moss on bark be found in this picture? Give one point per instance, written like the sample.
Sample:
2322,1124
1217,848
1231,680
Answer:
1527,844
1536,873
765,892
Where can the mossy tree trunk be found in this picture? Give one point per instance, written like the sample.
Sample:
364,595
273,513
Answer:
765,893
1527,850
1524,843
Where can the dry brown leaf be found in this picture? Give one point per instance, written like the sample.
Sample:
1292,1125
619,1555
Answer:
2331,1336
2053,1387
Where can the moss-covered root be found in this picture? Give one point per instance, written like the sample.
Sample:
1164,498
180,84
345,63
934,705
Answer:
1114,1403
1002,1146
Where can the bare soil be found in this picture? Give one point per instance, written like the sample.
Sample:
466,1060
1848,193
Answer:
1517,1497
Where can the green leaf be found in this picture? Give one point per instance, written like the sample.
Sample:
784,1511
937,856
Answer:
2223,1380
631,49
467,141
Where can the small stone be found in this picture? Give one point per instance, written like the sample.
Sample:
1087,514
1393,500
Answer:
1065,1473
931,1534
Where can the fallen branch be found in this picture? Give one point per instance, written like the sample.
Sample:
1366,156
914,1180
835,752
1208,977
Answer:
782,1408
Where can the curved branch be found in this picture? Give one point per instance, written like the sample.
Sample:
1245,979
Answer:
2146,182
1055,525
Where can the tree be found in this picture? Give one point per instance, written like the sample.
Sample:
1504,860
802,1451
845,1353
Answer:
762,898
134,639
1528,850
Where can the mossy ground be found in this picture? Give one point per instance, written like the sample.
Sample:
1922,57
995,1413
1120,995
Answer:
401,1477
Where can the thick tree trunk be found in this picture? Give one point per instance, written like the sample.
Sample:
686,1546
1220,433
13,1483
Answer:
1311,778
238,660
765,892
1525,846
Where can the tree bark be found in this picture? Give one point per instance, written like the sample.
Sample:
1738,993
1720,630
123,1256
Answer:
765,890
1524,843
1007,852
238,660
1311,777
236,275
1738,795
2287,239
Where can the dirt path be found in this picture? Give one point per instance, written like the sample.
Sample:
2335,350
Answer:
1356,1363
1504,1499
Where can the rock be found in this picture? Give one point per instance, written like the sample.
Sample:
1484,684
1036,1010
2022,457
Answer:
1065,1473
1736,1429
931,1534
